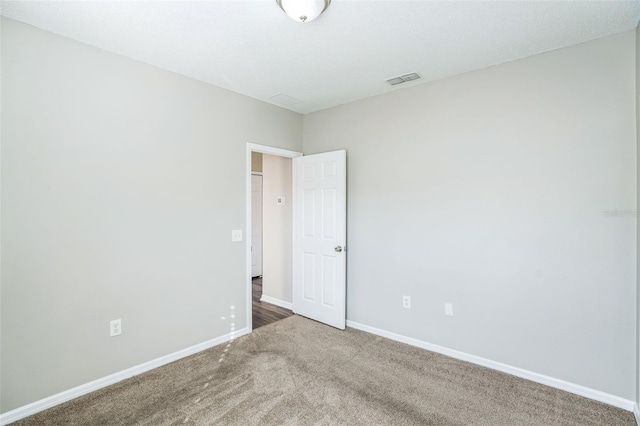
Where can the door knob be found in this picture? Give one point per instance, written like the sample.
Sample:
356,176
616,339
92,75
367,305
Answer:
338,249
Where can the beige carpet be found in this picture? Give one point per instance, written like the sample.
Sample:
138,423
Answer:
299,372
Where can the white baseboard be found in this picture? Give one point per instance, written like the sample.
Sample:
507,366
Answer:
43,404
59,398
597,395
636,412
277,302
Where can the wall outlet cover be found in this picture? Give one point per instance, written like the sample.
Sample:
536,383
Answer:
115,327
406,302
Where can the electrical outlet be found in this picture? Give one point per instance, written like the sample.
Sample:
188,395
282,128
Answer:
448,309
115,328
406,302
236,235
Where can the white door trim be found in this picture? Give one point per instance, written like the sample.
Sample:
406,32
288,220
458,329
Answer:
264,149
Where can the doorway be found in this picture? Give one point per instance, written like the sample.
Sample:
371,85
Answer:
269,246
311,253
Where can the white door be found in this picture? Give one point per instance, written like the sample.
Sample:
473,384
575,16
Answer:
319,237
256,225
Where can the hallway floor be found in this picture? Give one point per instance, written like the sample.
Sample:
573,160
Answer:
265,313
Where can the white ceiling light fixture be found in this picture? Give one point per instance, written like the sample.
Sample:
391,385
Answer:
303,10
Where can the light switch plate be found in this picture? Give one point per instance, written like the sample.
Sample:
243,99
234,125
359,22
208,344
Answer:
236,235
281,200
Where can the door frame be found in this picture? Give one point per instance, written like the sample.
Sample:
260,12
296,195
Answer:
264,149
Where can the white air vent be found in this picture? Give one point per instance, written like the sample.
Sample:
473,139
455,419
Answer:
403,79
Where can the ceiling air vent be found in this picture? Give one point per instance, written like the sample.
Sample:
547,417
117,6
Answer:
403,79
284,100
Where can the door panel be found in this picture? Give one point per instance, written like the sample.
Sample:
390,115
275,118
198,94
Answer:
319,267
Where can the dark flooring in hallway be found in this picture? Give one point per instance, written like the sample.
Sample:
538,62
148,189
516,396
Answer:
265,313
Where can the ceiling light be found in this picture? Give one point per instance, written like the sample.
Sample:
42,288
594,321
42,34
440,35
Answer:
303,10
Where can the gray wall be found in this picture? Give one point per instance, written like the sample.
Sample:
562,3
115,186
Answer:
489,190
121,184
277,228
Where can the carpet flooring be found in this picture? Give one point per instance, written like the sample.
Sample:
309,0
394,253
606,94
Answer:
299,372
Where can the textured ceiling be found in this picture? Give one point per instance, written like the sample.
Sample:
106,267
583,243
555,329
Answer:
253,48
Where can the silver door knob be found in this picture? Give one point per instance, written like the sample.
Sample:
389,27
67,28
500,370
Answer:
338,249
